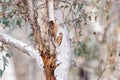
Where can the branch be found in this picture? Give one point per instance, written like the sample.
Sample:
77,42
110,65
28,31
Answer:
23,47
103,68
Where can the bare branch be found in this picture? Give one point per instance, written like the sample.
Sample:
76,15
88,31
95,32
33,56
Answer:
104,67
23,47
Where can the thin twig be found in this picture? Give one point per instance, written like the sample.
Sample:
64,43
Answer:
76,19
103,69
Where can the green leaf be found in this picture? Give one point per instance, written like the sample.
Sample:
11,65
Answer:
5,21
19,21
5,60
1,72
74,4
80,6
9,54
81,49
4,65
80,44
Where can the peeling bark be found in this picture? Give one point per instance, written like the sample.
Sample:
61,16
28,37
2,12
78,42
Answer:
48,55
56,56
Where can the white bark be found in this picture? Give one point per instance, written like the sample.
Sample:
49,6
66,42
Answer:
63,51
51,10
23,47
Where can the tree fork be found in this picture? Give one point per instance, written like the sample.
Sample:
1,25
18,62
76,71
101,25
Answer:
49,59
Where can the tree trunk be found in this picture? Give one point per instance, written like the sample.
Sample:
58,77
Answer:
63,51
56,55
